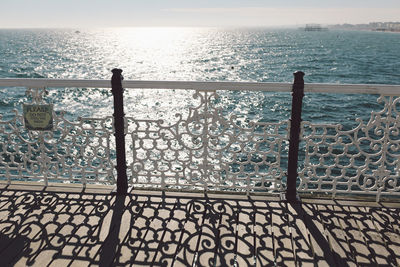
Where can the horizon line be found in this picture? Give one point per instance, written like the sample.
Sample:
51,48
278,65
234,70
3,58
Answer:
191,26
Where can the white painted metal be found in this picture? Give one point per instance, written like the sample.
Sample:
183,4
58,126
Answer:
375,89
206,150
210,86
73,152
206,86
363,160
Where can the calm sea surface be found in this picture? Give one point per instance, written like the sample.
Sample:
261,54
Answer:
202,54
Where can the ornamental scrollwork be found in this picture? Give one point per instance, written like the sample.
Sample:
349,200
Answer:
362,160
73,151
208,150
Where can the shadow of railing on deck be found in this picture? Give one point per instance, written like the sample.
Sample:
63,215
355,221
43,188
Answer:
46,228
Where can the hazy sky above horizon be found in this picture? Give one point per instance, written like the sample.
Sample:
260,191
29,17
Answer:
131,13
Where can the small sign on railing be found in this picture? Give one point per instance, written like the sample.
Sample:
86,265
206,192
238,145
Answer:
38,117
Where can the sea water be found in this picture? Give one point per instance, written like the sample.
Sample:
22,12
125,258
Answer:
201,54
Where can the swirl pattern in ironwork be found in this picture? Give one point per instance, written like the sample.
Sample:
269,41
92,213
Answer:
207,150
363,160
79,151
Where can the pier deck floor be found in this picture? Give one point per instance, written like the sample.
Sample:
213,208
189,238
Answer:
67,227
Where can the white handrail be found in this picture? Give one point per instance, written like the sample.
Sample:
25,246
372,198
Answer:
207,86
378,89
131,84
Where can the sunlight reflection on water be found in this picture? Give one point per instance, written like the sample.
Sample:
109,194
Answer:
199,54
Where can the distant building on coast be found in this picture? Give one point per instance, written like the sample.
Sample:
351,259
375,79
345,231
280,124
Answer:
372,26
386,26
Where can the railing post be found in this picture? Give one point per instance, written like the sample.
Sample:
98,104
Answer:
295,121
117,91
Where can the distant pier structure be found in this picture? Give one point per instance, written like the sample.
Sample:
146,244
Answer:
314,27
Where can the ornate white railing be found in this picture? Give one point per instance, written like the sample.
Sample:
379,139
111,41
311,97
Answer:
203,147
365,159
207,150
73,151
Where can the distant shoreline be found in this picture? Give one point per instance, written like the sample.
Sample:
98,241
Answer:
372,26
392,31
366,30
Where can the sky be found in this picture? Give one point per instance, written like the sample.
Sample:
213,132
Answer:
192,13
